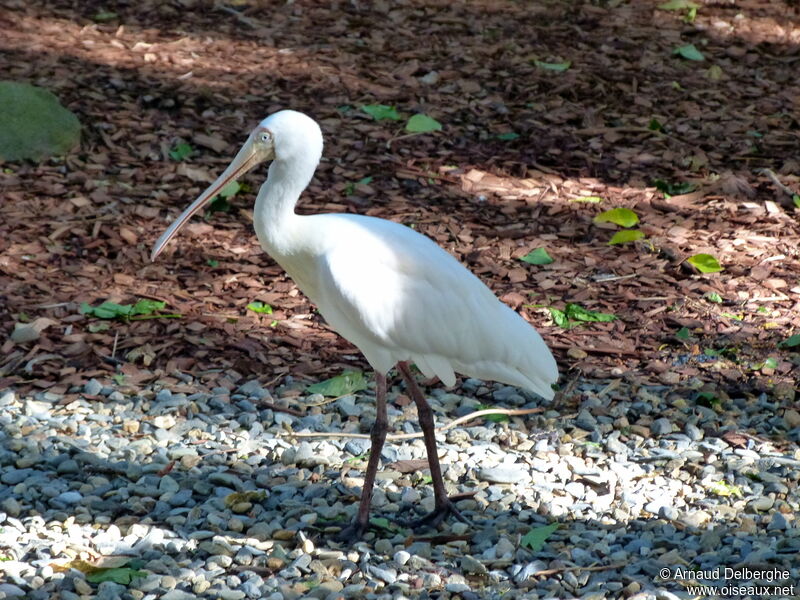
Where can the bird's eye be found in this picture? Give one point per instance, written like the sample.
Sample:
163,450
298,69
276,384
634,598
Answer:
266,137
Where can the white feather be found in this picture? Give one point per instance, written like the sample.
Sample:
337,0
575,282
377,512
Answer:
389,290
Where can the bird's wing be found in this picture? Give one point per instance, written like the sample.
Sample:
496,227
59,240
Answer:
396,291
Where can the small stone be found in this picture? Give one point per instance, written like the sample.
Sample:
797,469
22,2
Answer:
388,576
358,447
792,418
505,473
696,518
164,421
383,546
82,586
576,353
668,512
131,427
177,595
472,565
661,426
401,557
252,389
219,560
762,503
614,445
9,590
71,497
92,387
241,507
504,548
693,432
225,480
200,586
109,590
430,78
585,420
68,467
457,588
777,522
11,507
459,528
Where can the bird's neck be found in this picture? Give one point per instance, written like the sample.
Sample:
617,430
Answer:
274,218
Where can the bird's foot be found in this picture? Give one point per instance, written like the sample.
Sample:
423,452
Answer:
437,515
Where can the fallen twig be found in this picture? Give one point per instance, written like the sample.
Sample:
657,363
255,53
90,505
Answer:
410,436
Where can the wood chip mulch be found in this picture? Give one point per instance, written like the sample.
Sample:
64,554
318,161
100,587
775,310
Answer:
627,112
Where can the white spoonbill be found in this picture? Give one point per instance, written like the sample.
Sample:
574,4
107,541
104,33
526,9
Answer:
392,292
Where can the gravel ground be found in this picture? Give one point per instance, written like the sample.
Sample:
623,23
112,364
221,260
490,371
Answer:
207,495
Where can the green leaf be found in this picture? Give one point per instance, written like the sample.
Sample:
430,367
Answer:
212,263
107,310
420,123
655,125
507,137
34,124
103,16
796,200
587,199
689,52
230,189
558,67
493,418
673,189
112,310
147,307
732,316
708,399
770,363
705,263
723,488
714,297
121,575
577,313
624,217
536,537
790,342
182,150
626,235
383,523
677,5
218,204
559,317
682,333
260,308
573,314
348,382
119,378
381,112
537,257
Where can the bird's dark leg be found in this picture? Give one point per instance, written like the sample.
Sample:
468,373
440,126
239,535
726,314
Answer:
359,525
443,505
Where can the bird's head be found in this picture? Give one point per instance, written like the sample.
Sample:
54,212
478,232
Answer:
287,137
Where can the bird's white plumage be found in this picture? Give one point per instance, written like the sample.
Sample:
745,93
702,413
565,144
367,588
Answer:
389,290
